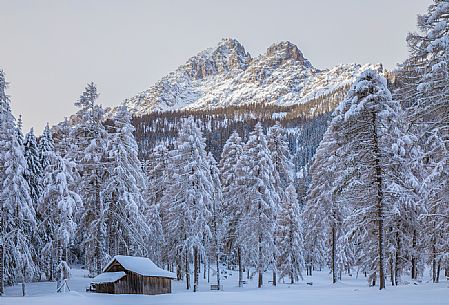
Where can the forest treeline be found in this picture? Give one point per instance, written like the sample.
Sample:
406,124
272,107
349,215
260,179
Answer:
362,190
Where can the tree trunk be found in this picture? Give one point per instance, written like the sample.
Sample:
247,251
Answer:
380,234
239,259
379,207
274,278
205,267
195,269
334,274
260,267
59,276
438,273
178,268
2,266
414,269
218,271
434,262
398,265
187,271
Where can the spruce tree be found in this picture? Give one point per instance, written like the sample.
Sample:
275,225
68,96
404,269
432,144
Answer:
34,174
89,151
284,168
290,260
123,192
217,222
256,227
46,146
364,128
429,114
57,207
157,171
232,206
189,199
18,220
322,213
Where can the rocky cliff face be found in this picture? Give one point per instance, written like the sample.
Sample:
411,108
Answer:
229,56
228,75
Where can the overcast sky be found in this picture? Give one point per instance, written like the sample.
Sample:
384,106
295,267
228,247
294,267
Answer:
51,49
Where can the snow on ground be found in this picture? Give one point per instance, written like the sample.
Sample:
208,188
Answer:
350,291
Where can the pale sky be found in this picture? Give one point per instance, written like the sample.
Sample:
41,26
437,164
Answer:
51,49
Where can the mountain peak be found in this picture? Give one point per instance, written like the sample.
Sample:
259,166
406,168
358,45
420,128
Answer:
227,75
227,56
285,51
231,43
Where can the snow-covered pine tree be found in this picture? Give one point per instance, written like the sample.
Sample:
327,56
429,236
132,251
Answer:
189,198
123,193
155,241
290,260
430,48
430,117
63,141
284,168
17,213
364,126
280,155
322,215
216,220
46,146
157,171
19,127
232,206
256,227
57,207
34,174
5,113
46,220
403,187
89,151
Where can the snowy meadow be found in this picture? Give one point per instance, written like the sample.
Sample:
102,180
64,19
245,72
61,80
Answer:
349,291
342,199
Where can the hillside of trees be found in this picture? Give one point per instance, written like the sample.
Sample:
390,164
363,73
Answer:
356,181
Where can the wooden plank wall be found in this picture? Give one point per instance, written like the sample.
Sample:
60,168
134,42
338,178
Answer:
105,288
134,283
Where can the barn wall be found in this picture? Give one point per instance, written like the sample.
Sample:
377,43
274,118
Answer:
156,285
104,288
134,283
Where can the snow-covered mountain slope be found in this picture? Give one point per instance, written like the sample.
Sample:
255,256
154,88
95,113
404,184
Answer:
228,75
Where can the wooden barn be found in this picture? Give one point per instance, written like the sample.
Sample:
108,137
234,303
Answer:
132,275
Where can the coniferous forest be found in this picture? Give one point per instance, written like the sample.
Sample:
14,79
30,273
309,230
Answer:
354,182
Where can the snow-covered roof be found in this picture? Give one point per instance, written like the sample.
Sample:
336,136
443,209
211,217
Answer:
141,265
108,277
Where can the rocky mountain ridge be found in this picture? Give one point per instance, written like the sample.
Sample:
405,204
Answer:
227,75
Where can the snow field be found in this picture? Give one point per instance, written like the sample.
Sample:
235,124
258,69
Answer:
350,291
